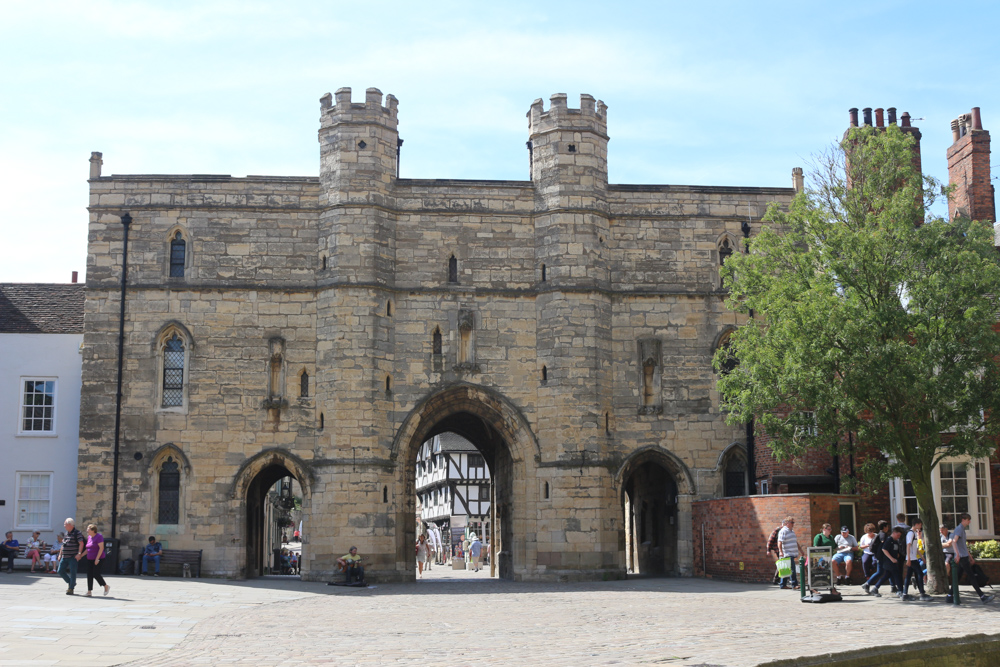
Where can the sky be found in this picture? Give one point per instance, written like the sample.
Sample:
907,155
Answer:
709,93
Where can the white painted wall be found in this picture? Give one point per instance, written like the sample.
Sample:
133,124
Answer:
40,356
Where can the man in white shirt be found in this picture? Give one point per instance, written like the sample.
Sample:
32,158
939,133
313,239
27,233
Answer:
844,558
788,547
914,564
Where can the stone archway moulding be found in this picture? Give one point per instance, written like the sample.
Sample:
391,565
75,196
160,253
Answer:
664,457
275,456
169,449
485,403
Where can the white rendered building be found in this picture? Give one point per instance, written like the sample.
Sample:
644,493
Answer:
41,330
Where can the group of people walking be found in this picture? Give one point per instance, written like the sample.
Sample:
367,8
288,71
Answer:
897,555
64,557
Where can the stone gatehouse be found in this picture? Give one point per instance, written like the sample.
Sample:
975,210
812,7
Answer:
326,327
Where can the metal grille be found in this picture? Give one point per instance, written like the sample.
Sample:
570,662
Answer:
38,405
177,251
173,373
170,493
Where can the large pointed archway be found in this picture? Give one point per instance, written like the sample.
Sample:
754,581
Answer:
502,435
250,488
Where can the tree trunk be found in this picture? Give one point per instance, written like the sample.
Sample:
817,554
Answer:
937,579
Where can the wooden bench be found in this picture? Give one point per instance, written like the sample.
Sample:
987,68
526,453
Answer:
177,557
22,550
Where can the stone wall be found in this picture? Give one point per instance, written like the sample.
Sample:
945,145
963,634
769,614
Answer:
557,282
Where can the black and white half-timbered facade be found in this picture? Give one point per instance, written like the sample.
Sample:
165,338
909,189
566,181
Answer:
453,487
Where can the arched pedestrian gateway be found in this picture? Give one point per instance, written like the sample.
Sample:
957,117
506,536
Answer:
250,490
503,437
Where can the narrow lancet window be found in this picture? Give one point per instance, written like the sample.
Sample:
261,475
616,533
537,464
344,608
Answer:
178,252
453,270
168,510
173,372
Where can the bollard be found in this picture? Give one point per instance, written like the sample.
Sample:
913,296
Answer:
802,577
955,598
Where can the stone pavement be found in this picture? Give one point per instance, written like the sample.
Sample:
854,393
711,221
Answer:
465,617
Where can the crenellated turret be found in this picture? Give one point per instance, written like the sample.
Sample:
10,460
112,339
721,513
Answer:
569,148
358,146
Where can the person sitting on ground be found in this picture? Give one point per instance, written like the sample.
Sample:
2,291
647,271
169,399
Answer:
351,565
151,552
9,550
947,545
876,546
867,564
914,562
34,550
844,558
788,547
52,557
891,552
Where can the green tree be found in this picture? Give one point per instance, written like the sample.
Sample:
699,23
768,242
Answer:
876,321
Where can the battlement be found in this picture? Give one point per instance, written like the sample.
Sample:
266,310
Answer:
592,115
338,108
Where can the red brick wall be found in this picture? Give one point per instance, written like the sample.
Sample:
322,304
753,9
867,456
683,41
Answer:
736,530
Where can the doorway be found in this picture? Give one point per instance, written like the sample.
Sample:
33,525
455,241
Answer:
649,499
273,515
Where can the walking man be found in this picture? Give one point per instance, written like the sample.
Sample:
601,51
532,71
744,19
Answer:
72,550
772,551
788,547
963,559
914,563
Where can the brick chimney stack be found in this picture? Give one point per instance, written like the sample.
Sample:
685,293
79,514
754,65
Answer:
969,169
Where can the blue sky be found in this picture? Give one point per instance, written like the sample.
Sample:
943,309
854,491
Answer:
712,93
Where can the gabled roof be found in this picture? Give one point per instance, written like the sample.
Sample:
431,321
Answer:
452,442
41,308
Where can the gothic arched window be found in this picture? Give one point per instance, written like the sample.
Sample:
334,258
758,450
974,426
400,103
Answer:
178,256
168,506
453,270
304,385
173,372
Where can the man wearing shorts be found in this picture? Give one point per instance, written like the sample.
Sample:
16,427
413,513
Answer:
844,558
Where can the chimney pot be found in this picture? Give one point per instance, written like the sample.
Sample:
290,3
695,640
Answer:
906,119
74,278
879,117
955,134
854,116
977,120
867,111
892,115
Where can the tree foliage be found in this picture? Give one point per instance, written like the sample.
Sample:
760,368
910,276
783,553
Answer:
877,321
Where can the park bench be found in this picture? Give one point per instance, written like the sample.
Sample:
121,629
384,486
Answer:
176,558
21,551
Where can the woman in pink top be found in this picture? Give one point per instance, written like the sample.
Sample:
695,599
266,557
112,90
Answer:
95,551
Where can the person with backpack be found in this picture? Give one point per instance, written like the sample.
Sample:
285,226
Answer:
889,561
914,561
876,549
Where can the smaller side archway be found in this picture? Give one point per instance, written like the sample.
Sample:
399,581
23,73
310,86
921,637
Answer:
250,489
656,488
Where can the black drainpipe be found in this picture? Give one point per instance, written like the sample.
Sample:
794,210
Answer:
399,150
126,221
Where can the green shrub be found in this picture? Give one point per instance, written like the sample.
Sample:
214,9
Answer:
988,549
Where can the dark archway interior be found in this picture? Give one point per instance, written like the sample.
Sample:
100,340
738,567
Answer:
258,553
650,500
498,459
